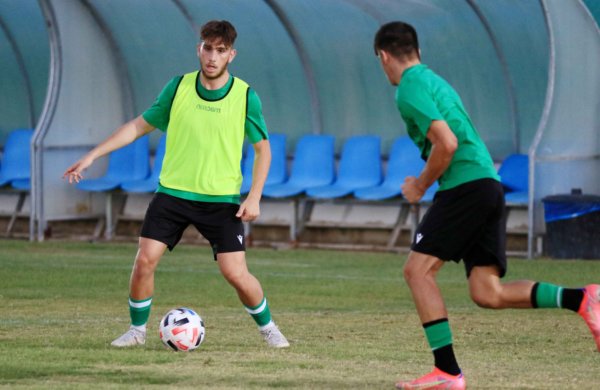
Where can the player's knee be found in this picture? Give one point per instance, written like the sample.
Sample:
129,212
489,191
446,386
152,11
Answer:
144,263
487,299
235,277
420,268
412,274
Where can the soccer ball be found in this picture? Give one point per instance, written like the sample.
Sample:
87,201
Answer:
181,329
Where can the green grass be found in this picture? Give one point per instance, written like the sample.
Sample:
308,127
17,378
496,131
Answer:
348,315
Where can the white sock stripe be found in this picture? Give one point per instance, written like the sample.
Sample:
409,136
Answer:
269,325
559,297
141,328
259,309
140,305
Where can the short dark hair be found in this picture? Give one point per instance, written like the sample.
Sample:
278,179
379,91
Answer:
219,29
397,38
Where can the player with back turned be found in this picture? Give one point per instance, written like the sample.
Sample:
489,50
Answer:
206,115
466,220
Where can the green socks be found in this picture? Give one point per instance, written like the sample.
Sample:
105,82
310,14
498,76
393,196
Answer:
439,337
438,333
546,295
139,311
261,313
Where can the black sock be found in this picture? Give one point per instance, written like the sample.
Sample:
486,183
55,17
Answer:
439,337
571,298
445,360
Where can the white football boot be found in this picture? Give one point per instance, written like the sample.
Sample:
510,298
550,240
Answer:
130,338
273,336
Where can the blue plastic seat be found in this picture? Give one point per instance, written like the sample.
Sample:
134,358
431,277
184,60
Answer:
131,162
430,193
405,160
517,197
514,175
149,184
16,168
16,161
359,167
313,166
21,184
278,169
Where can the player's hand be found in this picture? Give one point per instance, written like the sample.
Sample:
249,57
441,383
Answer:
249,210
75,172
412,190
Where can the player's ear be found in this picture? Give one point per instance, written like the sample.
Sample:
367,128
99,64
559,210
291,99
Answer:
384,56
198,49
232,55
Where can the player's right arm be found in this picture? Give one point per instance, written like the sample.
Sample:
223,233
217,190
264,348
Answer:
443,145
124,135
157,116
419,109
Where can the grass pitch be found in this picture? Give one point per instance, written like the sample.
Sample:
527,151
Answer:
348,316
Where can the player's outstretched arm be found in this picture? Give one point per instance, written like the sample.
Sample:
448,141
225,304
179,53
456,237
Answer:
124,135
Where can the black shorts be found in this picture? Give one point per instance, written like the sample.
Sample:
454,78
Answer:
466,222
168,216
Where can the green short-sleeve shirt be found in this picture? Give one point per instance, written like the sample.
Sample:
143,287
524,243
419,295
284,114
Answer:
422,97
158,114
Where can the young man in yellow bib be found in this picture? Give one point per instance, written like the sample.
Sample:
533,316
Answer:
206,114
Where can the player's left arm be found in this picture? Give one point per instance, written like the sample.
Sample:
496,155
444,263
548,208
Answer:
443,145
250,208
256,130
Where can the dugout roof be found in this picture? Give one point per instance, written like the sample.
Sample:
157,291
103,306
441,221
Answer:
526,70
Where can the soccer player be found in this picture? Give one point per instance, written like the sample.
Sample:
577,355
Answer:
206,115
465,220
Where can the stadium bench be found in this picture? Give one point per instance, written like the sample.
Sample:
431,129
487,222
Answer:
313,165
126,164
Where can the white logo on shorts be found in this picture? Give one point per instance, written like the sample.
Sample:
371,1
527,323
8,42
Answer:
240,238
419,237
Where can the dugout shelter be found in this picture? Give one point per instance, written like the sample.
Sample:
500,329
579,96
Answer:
527,71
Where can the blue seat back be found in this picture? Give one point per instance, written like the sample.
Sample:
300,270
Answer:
131,162
278,169
360,162
314,161
16,161
404,160
514,172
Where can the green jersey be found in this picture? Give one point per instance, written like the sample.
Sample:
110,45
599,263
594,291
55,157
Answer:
422,97
205,133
